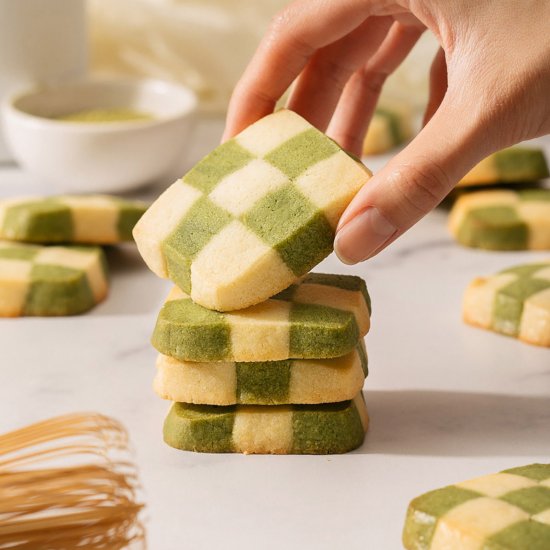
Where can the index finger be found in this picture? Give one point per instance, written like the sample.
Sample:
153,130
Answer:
293,37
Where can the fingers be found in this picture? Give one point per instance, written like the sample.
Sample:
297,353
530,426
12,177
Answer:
320,84
412,184
358,100
438,84
293,37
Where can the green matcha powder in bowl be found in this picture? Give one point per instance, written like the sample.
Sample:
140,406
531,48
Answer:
117,114
100,136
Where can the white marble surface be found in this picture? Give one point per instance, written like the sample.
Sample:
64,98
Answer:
447,402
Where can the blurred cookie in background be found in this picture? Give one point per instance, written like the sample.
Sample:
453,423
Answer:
512,165
514,302
502,219
391,125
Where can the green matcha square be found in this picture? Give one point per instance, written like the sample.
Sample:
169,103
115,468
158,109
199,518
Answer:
532,500
203,221
537,472
333,332
534,194
524,535
494,228
178,268
392,119
44,221
425,510
200,427
265,382
313,428
509,301
521,164
128,217
18,253
296,155
288,222
57,290
525,270
186,330
224,160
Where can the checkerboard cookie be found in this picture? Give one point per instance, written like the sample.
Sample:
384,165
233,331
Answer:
253,216
515,302
503,219
322,316
87,219
512,165
50,280
505,511
390,126
307,381
281,429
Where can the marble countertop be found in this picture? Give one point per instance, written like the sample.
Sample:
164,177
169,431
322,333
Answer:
447,401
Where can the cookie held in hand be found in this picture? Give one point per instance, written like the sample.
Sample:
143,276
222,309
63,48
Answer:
253,216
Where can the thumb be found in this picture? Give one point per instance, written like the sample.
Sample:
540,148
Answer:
412,183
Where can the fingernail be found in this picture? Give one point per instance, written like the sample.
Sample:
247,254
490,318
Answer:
361,237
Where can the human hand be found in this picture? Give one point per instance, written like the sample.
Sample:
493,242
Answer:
489,88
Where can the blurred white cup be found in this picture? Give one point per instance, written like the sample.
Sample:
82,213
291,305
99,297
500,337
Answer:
41,42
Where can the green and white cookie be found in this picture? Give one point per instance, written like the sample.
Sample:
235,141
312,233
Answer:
390,126
255,429
307,381
515,302
253,216
87,219
512,165
50,280
503,219
505,511
322,316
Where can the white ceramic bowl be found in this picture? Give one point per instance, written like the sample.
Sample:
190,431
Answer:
100,156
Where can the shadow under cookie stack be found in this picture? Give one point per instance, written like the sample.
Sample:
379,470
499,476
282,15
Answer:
258,355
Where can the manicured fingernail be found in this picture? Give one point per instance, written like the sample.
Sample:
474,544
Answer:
361,237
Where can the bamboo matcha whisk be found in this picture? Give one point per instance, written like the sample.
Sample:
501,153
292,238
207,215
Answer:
68,483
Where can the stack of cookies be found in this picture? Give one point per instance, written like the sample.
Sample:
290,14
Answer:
47,267
258,354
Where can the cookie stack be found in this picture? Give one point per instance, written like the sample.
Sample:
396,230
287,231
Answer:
68,278
258,355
